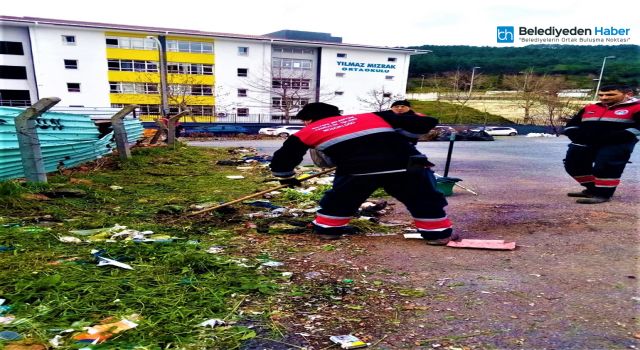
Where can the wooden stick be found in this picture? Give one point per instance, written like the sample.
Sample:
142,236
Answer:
257,194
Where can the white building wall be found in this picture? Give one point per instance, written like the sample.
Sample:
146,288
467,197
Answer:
49,52
19,34
258,81
364,70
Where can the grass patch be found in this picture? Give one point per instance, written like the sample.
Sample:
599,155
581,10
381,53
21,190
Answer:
51,286
448,113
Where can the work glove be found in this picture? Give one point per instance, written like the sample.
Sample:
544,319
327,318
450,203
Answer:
290,182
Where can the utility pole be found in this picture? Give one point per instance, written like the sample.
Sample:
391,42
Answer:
164,109
604,61
473,74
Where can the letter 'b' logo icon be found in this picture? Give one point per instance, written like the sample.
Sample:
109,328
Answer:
506,34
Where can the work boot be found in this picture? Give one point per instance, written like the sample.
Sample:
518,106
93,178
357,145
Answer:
331,233
581,194
437,238
441,241
593,200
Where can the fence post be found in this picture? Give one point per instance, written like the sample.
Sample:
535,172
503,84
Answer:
119,132
28,140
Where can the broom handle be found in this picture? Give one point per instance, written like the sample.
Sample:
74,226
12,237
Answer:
257,194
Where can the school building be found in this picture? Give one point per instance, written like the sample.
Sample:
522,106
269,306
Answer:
220,77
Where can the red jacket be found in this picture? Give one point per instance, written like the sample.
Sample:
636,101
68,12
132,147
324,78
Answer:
358,144
600,124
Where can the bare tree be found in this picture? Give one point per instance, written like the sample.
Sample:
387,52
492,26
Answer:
551,109
529,87
379,99
285,90
456,90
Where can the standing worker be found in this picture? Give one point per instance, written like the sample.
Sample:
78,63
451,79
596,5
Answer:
602,136
368,154
403,108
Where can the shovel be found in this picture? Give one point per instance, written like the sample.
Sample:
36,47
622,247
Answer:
258,193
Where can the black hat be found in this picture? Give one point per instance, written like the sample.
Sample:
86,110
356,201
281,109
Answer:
401,103
317,110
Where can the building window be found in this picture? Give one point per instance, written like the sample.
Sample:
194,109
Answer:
342,55
243,72
340,75
339,93
73,87
389,77
392,59
242,92
190,68
13,72
243,112
131,43
287,83
132,66
291,63
386,95
69,39
189,46
71,64
243,50
11,48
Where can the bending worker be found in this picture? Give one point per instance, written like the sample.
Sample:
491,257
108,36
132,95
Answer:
368,154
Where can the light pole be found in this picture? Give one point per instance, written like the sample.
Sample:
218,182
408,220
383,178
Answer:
604,61
473,74
421,82
164,110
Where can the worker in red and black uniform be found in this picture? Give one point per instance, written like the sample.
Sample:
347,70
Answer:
602,136
368,154
403,108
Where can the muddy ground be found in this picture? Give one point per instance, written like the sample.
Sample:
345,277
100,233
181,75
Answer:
572,282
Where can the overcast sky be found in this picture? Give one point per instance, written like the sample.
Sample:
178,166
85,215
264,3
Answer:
380,23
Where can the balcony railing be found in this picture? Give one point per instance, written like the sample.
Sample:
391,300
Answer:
15,103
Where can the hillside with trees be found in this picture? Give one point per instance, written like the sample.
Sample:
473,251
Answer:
579,64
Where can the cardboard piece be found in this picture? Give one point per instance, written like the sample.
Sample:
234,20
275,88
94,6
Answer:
497,244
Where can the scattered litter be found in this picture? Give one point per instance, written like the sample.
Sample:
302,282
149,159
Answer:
287,274
9,335
4,248
215,249
118,233
348,341
235,177
413,235
263,204
100,333
7,319
102,261
69,239
498,244
272,263
214,322
311,275
115,187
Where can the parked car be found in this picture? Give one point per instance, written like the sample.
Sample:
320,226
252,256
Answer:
215,130
288,130
266,131
498,130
